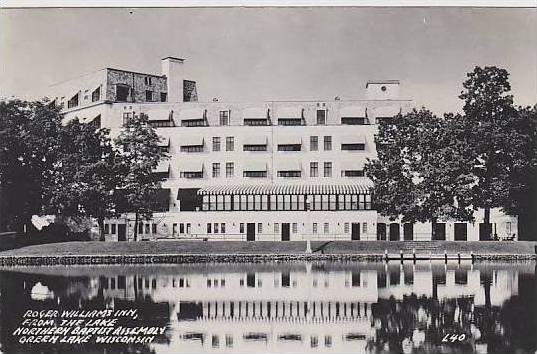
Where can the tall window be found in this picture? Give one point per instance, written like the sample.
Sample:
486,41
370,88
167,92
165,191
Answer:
314,169
314,143
328,169
96,94
163,97
148,95
230,143
224,117
229,169
327,143
321,117
216,169
314,227
216,143
326,228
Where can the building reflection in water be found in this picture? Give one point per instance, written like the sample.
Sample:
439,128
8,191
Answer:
330,307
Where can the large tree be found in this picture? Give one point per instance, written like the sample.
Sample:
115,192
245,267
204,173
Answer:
492,131
85,175
28,148
138,143
420,172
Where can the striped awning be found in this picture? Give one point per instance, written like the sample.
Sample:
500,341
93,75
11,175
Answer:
301,189
255,140
255,165
353,112
191,166
353,139
289,140
191,140
255,113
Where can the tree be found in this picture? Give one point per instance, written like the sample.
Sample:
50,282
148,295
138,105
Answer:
420,172
140,154
491,128
85,175
28,147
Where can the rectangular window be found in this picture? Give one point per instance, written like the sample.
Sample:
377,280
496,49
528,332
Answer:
147,229
227,202
255,122
122,93
321,117
113,229
289,174
153,229
289,147
216,169
314,227
192,148
328,169
353,120
73,102
106,229
188,228
351,147
254,174
326,228
314,169
352,173
209,228
181,228
163,97
96,94
260,227
230,169
216,143
147,80
290,121
230,143
276,228
364,228
256,147
223,228
327,143
294,228
241,228
140,228
243,202
314,143
148,95
346,228
215,228
224,117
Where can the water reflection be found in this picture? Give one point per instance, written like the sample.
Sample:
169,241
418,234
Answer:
292,308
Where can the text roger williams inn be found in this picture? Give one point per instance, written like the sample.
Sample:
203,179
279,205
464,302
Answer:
276,170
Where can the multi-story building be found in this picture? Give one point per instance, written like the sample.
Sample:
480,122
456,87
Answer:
278,170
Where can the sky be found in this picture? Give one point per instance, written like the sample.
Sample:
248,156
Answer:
255,54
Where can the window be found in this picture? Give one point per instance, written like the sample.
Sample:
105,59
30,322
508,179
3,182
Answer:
353,120
224,117
326,228
192,148
352,147
127,116
223,227
153,228
187,174
254,122
254,174
276,228
314,227
289,174
216,169
194,123
327,143
321,117
260,147
328,169
289,147
346,228
188,228
216,143
147,80
148,95
294,228
314,143
209,228
73,102
364,228
113,229
215,227
314,169
106,228
241,228
352,173
260,227
163,97
230,143
122,93
146,229
230,169
290,121
96,94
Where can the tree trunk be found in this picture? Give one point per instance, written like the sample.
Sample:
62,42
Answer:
433,228
100,221
486,221
136,227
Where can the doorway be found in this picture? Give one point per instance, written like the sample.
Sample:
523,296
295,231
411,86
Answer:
381,231
286,233
355,231
395,232
461,233
122,232
408,231
440,231
250,231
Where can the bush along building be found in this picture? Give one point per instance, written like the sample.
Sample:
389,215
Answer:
274,171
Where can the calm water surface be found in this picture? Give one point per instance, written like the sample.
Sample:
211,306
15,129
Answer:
290,308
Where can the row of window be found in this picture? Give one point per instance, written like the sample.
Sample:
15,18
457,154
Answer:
143,228
300,202
314,171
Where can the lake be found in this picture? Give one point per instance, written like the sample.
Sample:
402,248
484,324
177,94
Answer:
319,307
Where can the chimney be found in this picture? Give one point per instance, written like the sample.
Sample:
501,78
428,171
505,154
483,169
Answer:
172,68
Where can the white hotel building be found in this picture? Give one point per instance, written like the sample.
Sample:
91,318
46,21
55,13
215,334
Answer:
278,170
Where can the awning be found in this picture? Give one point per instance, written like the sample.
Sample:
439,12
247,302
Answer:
288,165
191,166
290,112
162,167
164,141
275,189
191,140
158,114
255,140
192,114
255,113
255,166
352,165
353,139
288,140
386,111
353,112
